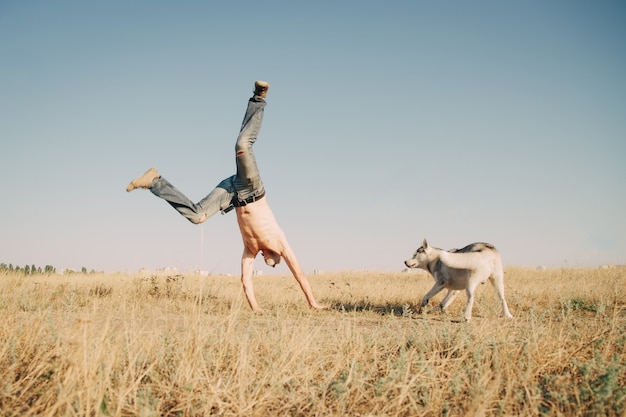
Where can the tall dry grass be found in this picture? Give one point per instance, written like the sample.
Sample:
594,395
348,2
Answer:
116,345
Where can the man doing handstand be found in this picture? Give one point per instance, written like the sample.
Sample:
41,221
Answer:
244,192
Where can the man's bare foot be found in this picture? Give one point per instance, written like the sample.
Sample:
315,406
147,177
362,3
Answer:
144,181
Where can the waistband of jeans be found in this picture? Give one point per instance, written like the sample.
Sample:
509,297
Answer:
240,203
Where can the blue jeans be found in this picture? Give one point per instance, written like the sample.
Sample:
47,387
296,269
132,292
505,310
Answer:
237,188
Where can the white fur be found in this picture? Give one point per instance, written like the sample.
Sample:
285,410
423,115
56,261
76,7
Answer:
460,269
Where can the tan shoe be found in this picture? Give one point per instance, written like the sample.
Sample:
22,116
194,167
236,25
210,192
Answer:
261,88
144,181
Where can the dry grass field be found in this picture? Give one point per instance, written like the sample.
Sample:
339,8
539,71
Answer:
118,345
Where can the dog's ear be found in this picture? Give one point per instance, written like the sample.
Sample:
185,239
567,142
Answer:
424,244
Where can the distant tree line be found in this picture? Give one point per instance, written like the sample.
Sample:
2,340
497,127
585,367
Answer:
27,270
34,270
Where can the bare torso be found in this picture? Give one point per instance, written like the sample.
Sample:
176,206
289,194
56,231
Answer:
259,229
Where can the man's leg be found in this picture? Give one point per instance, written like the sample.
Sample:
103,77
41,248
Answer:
247,182
248,179
218,199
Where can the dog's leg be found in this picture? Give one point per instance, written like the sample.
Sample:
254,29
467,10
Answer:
497,279
436,289
472,283
467,314
447,300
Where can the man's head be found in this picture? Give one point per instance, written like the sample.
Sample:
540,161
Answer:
272,259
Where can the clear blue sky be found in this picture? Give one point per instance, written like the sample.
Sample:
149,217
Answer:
387,122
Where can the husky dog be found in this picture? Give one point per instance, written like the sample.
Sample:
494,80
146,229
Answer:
460,269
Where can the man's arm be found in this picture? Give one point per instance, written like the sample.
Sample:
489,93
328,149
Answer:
247,266
294,266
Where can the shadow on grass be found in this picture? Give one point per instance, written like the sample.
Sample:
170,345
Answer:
394,309
389,309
